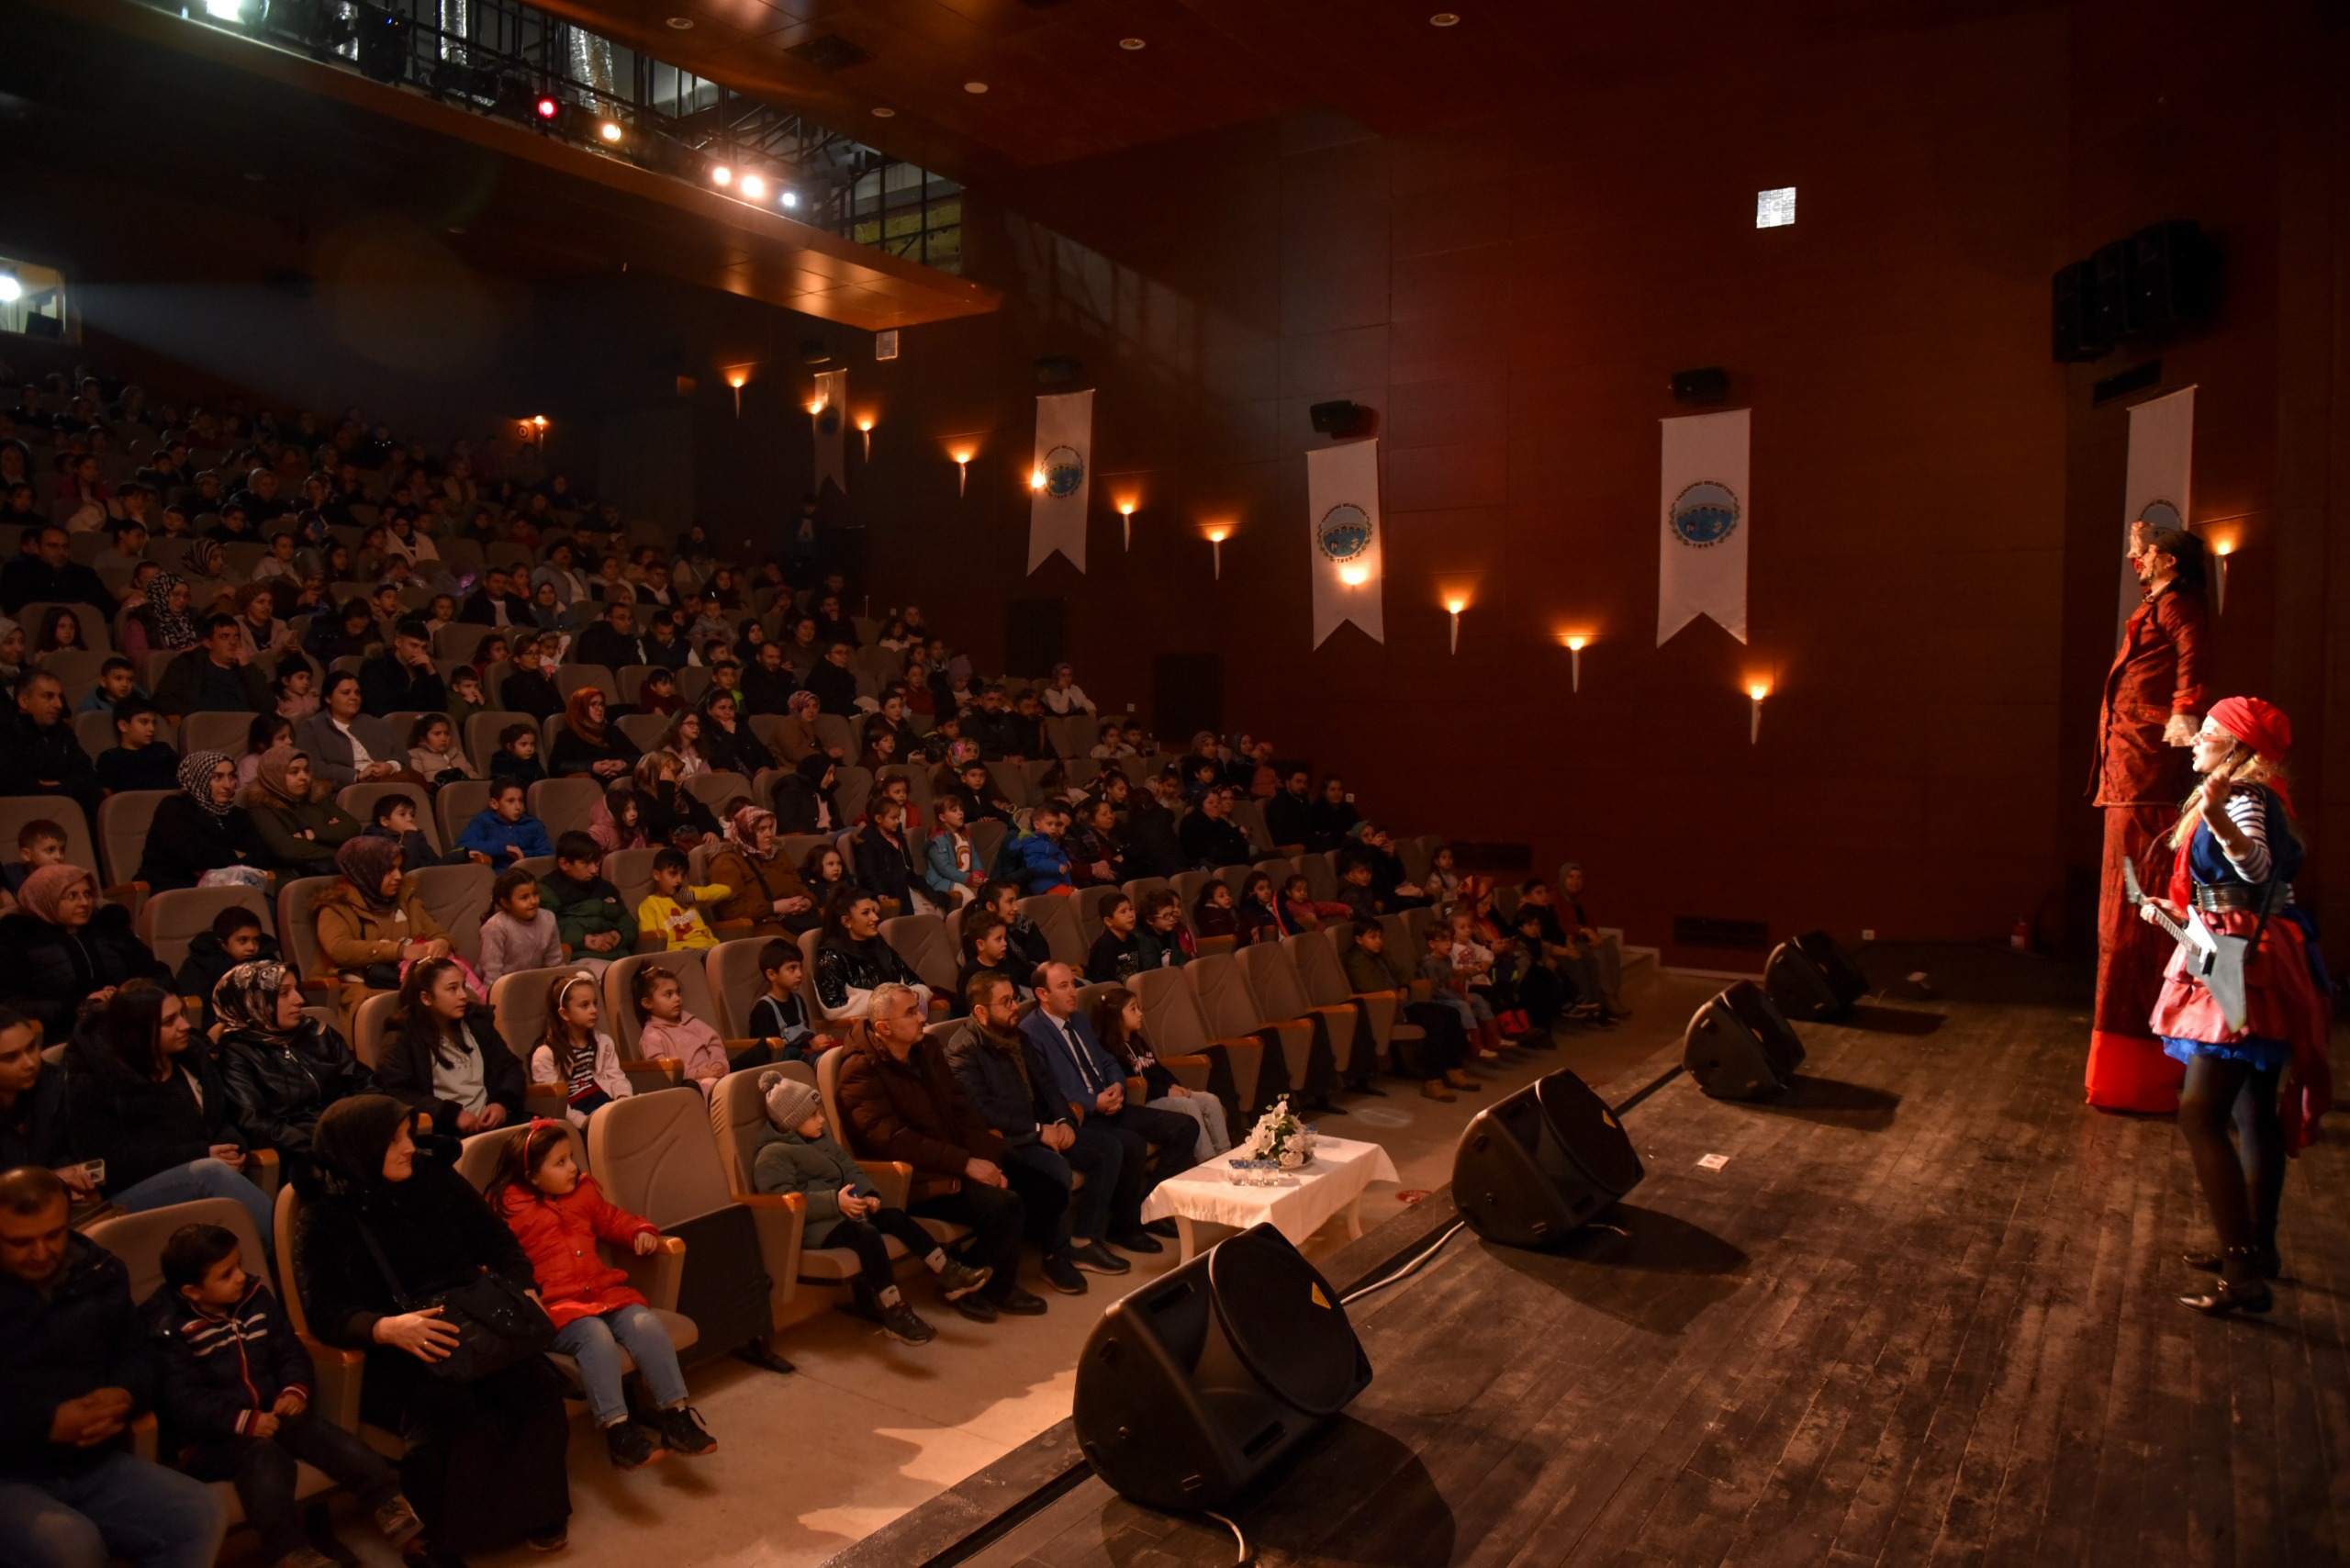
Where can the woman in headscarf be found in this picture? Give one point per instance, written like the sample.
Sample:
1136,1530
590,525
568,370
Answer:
347,634
201,829
142,1097
163,625
279,1067
265,635
767,891
2238,849
797,739
803,796
204,564
727,741
63,943
483,1466
300,824
586,745
372,921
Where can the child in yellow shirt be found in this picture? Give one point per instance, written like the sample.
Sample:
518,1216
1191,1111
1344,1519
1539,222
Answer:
679,924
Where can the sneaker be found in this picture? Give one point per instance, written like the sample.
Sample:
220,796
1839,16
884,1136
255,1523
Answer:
1434,1089
682,1432
958,1278
1096,1259
978,1308
1060,1273
631,1448
1139,1240
1018,1302
901,1324
398,1522
555,1538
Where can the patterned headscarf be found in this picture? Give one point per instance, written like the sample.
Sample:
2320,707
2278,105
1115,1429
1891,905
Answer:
196,778
364,861
743,827
803,703
45,889
246,998
174,628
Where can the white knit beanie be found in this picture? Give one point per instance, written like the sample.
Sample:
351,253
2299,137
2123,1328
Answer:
789,1101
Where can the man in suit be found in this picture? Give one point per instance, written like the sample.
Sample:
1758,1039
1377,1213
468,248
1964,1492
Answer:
1095,1085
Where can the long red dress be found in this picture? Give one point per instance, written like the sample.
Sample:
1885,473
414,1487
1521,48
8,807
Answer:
2140,780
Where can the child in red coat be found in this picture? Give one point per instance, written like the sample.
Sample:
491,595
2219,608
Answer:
558,1214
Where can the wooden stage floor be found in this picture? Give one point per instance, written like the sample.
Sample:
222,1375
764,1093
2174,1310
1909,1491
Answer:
1923,1314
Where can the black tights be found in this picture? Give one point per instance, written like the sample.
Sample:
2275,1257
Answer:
2241,1181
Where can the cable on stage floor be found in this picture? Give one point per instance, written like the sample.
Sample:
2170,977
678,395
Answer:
1246,1556
1405,1272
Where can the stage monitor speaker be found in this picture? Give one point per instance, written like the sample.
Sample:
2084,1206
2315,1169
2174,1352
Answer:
1709,384
1197,1383
1341,417
2072,333
1533,1169
1738,1047
1811,978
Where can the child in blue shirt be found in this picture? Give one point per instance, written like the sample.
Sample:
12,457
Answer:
506,833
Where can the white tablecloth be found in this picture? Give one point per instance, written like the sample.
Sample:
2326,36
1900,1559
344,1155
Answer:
1342,1167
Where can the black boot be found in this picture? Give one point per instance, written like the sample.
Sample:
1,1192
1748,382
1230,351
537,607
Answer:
2265,1257
2240,1288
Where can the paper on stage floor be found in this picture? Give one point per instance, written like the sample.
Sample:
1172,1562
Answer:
1701,549
2161,475
1063,477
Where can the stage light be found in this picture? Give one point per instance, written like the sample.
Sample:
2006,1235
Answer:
1036,479
1756,690
225,10
610,133
10,289
790,198
754,188
1217,533
547,108
721,175
1453,606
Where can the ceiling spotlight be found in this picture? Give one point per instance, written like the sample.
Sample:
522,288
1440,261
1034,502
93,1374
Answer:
224,10
720,174
975,86
610,132
547,108
1130,43
1444,19
683,24
884,114
754,188
10,289
791,198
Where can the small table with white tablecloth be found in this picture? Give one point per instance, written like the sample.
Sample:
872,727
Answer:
1296,1205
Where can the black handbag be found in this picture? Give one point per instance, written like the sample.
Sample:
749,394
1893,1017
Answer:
498,1325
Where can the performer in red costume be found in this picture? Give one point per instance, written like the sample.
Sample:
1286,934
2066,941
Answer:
2236,852
2154,700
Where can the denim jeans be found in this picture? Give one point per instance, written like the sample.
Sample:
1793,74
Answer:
596,1344
1206,1110
266,1474
121,1507
206,1178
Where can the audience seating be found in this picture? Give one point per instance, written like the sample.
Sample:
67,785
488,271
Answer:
921,940
619,1011
458,897
643,730
1271,971
124,818
81,846
482,729
298,929
1090,902
457,804
359,802
1171,1018
1230,1010
223,733
1318,957
168,922
339,1371
564,800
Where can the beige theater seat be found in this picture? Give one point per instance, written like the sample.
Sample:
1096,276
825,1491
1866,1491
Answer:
921,941
298,931
124,818
359,801
1171,1018
337,1389
458,897
169,921
619,1010
1272,974
1322,974
1055,916
1229,1010
459,803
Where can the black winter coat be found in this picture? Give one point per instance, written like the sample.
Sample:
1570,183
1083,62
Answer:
1005,1078
1152,849
141,1128
572,755
46,970
186,841
83,1336
843,965
220,1371
835,687
278,1092
435,1230
794,801
37,761
403,1071
205,963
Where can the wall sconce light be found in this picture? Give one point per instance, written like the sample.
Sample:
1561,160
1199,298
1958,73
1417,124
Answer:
1126,521
1354,575
1453,606
1217,533
962,456
738,378
1756,690
1036,480
1576,643
2220,550
534,429
865,428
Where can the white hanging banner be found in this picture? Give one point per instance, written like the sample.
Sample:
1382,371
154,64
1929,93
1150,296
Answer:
1701,550
1061,479
829,420
2161,475
1345,539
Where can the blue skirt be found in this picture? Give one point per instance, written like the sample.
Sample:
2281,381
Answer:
2262,1052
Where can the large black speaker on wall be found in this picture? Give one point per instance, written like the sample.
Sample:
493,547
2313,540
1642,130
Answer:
1535,1167
1341,418
1709,384
1811,978
2073,332
1196,1384
1738,1047
2174,275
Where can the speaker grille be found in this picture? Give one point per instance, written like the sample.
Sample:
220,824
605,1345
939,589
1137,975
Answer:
1284,1321
1586,1132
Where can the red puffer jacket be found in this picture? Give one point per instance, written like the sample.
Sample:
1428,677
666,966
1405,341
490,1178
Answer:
560,1235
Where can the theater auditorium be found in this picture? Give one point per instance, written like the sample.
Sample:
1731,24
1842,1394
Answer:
1156,783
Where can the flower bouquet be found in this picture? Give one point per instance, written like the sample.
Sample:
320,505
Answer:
1280,1138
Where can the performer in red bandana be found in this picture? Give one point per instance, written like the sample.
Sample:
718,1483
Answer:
2153,699
2236,851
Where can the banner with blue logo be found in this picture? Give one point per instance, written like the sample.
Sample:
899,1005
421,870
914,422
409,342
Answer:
1060,478
2159,479
828,420
1701,555
1344,536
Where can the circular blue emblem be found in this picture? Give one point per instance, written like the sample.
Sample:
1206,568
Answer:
1063,472
828,422
1705,514
1344,532
2160,513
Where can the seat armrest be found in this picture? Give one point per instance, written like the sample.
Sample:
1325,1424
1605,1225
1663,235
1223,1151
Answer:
130,895
140,1437
658,1274
266,1170
650,942
336,1394
781,1220
893,1178
652,1074
1422,990
1192,1073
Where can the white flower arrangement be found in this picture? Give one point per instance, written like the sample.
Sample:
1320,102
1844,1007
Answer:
1279,1137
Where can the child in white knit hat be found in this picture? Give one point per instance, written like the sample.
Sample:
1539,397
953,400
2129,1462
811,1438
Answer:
845,1209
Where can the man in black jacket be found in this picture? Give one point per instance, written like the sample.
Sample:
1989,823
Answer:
403,678
33,1117
1289,816
831,680
997,1068
39,752
45,573
74,1369
611,641
767,682
495,602
1210,838
990,724
216,675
